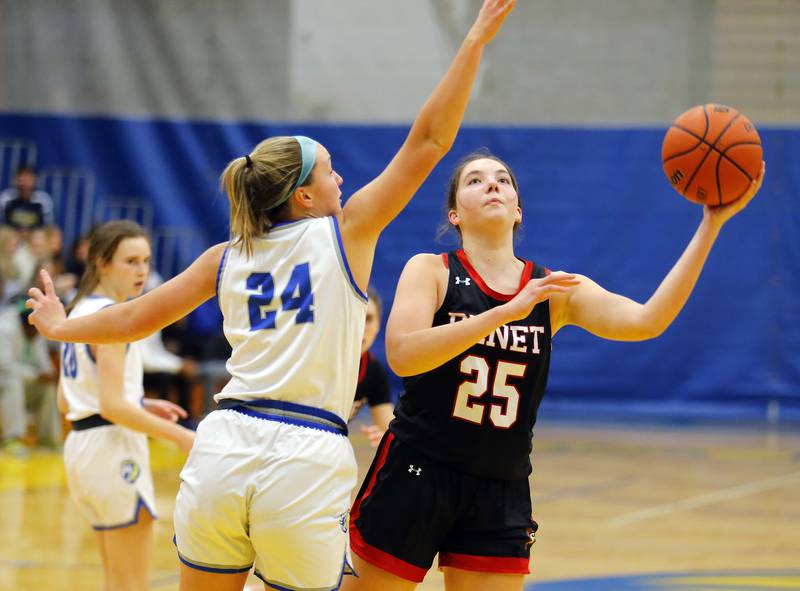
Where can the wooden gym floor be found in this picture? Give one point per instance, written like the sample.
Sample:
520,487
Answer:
637,506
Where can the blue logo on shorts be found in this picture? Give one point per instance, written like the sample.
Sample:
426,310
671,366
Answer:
130,471
344,521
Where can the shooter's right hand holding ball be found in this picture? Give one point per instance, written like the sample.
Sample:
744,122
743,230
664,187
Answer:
718,215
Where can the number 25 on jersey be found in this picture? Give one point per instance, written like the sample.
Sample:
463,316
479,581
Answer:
296,295
471,404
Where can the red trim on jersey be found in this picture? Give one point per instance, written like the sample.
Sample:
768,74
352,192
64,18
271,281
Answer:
485,564
362,366
379,462
383,560
503,297
446,260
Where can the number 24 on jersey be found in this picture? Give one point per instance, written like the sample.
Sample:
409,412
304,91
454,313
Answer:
296,295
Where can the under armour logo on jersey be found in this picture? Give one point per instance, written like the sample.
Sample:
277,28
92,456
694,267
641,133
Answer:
414,470
459,281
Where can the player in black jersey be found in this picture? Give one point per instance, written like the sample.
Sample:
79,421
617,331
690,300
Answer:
471,332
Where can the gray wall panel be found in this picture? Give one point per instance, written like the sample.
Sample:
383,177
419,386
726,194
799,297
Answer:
572,62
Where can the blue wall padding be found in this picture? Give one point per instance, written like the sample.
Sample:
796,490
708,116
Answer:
595,202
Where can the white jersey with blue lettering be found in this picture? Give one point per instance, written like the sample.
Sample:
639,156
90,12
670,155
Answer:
294,317
79,370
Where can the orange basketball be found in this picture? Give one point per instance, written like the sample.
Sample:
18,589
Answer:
711,154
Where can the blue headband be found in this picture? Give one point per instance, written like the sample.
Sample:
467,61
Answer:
308,153
308,150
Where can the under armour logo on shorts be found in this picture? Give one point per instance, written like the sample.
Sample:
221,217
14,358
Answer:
414,470
129,470
459,281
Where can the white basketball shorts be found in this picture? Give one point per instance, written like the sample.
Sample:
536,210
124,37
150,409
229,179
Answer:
269,492
108,474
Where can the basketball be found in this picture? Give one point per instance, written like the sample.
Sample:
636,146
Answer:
711,154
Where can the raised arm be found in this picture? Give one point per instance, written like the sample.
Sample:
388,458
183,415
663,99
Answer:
432,134
414,346
612,316
132,320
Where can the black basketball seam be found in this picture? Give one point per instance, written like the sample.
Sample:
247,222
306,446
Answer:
692,149
719,137
732,161
713,147
736,164
694,174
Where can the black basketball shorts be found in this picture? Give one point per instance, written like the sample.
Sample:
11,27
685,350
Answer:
411,507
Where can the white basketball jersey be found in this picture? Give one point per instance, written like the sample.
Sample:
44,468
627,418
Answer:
79,370
294,317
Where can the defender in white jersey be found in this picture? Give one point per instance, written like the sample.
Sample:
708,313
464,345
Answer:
268,480
100,389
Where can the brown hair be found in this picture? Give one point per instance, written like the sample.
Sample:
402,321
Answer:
452,187
255,187
103,243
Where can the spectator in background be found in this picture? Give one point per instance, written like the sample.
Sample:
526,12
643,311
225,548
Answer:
39,377
71,269
12,397
373,380
27,382
32,254
24,207
76,264
54,243
10,271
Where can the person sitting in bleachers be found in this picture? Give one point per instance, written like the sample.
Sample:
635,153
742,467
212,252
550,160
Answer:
27,382
23,206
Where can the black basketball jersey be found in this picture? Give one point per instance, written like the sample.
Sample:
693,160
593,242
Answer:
476,412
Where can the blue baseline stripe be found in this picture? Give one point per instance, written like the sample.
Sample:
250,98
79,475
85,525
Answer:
298,408
344,259
290,421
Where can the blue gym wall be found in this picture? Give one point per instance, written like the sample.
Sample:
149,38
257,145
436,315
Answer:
594,201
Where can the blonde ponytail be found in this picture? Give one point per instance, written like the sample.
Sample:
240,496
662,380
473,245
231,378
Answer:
258,187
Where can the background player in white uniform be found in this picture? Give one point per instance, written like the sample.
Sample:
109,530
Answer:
269,478
100,389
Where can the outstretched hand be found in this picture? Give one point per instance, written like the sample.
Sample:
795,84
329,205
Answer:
48,311
164,409
490,18
538,290
722,213
373,433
